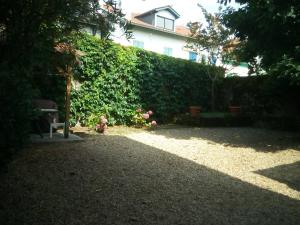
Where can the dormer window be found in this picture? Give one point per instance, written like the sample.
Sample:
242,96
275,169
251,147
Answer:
165,23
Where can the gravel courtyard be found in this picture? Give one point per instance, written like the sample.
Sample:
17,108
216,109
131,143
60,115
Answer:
168,176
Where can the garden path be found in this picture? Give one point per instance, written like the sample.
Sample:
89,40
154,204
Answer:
166,176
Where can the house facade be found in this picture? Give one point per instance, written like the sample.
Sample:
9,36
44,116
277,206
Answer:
156,30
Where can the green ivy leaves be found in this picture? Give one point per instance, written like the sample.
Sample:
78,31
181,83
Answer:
117,80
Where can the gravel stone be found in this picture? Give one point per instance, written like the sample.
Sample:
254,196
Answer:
177,175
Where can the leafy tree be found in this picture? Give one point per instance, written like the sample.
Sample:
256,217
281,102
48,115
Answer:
214,40
269,29
29,22
29,30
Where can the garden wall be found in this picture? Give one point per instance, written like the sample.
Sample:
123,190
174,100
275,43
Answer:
115,81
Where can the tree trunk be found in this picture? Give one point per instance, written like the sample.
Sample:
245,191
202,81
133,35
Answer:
67,102
212,95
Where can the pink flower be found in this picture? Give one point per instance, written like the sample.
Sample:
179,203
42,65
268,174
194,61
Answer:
104,121
150,112
146,116
139,110
153,123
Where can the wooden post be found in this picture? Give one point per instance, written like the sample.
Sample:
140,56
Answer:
67,102
65,48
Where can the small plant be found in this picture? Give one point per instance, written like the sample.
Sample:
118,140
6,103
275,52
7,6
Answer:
101,127
142,119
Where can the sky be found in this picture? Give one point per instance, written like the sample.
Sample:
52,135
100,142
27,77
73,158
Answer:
188,9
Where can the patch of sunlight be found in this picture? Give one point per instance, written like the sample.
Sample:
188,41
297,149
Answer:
238,162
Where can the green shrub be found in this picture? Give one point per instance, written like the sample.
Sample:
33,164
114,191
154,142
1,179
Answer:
16,109
268,99
116,80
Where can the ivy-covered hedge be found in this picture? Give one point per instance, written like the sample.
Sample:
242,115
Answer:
270,100
115,81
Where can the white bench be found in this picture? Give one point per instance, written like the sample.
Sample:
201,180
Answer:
55,125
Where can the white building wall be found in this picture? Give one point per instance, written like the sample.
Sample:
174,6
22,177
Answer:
89,30
156,41
166,14
236,71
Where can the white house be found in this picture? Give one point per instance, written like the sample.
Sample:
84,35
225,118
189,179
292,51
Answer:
156,30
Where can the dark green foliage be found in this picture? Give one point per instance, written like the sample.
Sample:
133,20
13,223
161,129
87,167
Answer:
267,98
287,67
16,110
28,33
116,80
269,29
207,120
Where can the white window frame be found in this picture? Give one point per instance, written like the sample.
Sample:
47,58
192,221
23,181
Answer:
138,44
168,51
164,27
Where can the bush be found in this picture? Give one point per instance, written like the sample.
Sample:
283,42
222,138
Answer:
207,120
269,99
115,81
16,109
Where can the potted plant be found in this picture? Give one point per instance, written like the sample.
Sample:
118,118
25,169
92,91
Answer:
234,108
194,106
193,96
195,110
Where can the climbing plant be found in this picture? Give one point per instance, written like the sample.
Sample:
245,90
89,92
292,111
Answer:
115,81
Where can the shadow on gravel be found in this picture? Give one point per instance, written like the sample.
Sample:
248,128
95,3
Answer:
288,174
115,180
259,139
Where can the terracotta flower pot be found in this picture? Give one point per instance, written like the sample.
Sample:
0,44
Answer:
195,111
234,110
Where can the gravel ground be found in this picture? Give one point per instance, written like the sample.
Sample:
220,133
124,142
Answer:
167,176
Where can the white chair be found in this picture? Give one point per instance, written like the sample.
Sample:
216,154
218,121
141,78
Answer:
55,125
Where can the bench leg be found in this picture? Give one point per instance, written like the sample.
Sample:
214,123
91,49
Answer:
51,130
55,125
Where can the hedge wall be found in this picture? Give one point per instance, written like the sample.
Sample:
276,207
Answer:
115,81
269,99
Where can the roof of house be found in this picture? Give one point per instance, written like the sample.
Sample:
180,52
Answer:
167,7
179,30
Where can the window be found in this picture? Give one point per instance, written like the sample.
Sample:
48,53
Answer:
138,44
168,51
213,60
160,22
169,24
203,59
193,56
164,23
